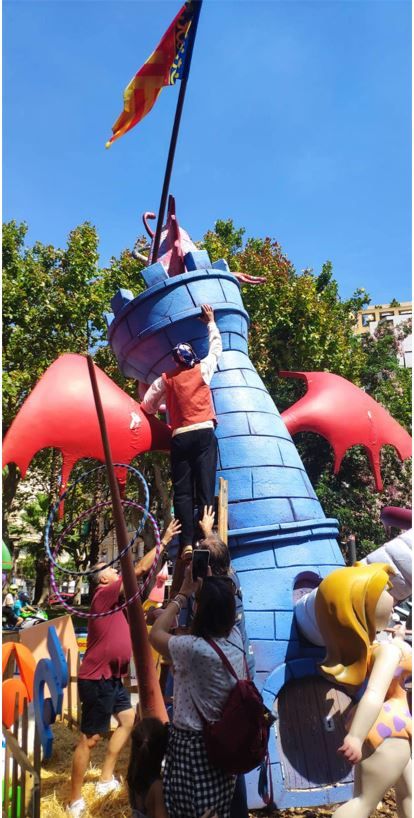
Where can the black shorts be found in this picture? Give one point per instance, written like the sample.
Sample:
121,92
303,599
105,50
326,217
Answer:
100,699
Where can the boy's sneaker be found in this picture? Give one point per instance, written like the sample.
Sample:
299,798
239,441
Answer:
76,809
105,787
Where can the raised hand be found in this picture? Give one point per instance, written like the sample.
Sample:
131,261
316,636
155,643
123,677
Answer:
207,521
171,531
207,313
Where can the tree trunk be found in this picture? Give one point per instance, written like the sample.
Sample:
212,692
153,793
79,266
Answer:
11,479
163,494
42,582
41,590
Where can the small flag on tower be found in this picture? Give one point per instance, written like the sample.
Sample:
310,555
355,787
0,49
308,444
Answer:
164,67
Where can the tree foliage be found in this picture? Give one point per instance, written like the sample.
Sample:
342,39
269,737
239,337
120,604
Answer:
300,323
54,301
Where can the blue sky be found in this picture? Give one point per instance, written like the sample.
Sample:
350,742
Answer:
297,124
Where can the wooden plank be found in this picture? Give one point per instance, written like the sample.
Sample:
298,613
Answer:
15,766
308,742
7,756
223,511
13,748
24,745
290,741
333,706
37,779
69,687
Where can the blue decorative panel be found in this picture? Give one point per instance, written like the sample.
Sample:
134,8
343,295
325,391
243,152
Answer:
261,451
260,512
270,481
196,260
231,322
240,483
289,453
268,653
310,554
285,626
221,264
238,342
233,424
260,624
305,509
120,300
215,294
154,274
233,360
232,377
244,398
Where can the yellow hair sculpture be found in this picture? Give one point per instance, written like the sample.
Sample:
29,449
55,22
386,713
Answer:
345,607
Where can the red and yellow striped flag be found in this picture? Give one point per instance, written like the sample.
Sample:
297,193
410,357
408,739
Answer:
163,67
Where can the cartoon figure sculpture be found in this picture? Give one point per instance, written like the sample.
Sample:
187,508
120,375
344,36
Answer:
351,605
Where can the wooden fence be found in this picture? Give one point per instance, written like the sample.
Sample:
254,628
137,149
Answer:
21,779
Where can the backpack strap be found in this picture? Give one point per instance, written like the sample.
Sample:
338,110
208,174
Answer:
223,658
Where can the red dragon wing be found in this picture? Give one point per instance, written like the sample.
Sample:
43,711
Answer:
60,412
346,416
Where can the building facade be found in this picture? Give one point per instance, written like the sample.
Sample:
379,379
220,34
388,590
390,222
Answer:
392,315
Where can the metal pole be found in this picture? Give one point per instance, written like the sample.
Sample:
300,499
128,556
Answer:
156,246
151,702
351,548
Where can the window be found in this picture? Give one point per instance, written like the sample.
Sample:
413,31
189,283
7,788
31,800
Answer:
367,318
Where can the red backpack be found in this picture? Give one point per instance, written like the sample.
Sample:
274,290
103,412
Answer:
237,742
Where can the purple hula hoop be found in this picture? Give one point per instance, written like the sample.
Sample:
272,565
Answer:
141,588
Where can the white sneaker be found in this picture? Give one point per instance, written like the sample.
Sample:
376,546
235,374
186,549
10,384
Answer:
105,787
76,809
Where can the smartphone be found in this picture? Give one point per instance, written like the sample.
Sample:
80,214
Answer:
201,559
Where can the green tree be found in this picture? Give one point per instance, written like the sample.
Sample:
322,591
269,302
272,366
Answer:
54,301
299,322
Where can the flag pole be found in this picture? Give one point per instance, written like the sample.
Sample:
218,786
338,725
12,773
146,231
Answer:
174,134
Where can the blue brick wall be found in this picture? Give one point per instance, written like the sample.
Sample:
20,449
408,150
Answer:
277,529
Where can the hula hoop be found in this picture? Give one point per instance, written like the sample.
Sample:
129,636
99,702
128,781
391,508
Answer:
55,507
141,588
104,504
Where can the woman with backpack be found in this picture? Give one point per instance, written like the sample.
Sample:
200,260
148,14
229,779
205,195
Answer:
202,685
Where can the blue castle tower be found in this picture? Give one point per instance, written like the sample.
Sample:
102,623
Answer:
279,537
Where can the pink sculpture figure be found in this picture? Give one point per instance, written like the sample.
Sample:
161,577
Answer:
351,604
175,243
346,416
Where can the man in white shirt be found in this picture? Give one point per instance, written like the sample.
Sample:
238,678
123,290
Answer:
186,391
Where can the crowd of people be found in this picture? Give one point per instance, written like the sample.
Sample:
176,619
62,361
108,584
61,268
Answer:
14,605
212,608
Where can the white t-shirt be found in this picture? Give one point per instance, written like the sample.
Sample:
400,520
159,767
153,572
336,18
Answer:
201,679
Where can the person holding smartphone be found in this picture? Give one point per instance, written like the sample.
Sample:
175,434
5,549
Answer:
201,687
187,394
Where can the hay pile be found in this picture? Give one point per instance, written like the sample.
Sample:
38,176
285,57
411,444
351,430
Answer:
56,779
56,785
